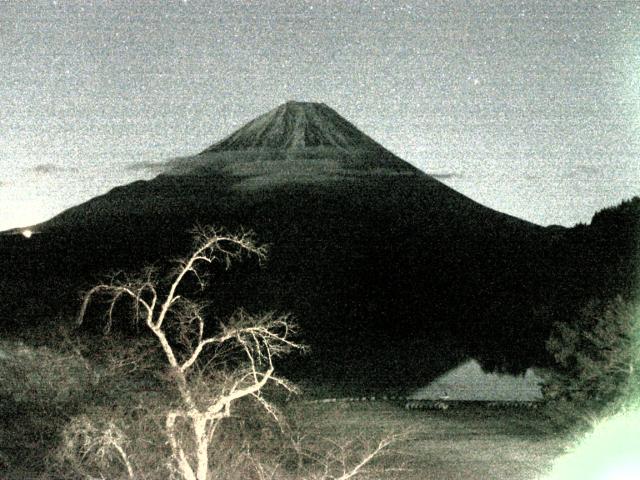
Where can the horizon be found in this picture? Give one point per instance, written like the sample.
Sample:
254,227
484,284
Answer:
530,109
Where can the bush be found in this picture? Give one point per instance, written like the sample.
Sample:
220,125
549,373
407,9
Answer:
39,388
597,362
42,376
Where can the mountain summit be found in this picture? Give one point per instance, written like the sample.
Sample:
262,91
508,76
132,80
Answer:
297,125
295,142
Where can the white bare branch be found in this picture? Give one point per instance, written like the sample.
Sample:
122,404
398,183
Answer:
259,338
383,444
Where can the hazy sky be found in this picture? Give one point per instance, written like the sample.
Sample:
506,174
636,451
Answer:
529,107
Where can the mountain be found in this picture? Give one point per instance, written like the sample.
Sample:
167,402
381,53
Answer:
394,277
298,126
295,142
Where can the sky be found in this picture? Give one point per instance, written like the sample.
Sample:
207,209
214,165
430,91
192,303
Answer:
529,107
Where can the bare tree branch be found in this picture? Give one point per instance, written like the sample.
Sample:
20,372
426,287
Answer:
384,443
260,338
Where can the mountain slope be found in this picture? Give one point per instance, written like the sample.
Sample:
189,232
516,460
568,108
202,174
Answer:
295,142
295,126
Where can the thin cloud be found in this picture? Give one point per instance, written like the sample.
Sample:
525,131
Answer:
50,168
147,166
445,175
587,169
581,170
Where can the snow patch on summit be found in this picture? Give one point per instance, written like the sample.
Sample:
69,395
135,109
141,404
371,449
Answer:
298,125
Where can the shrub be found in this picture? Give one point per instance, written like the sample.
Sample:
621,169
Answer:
41,376
597,362
39,388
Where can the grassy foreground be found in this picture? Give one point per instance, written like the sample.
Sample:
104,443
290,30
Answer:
470,443
42,390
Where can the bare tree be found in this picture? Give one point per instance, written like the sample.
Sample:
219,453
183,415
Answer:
178,324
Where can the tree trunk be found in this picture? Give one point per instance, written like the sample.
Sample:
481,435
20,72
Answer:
200,430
